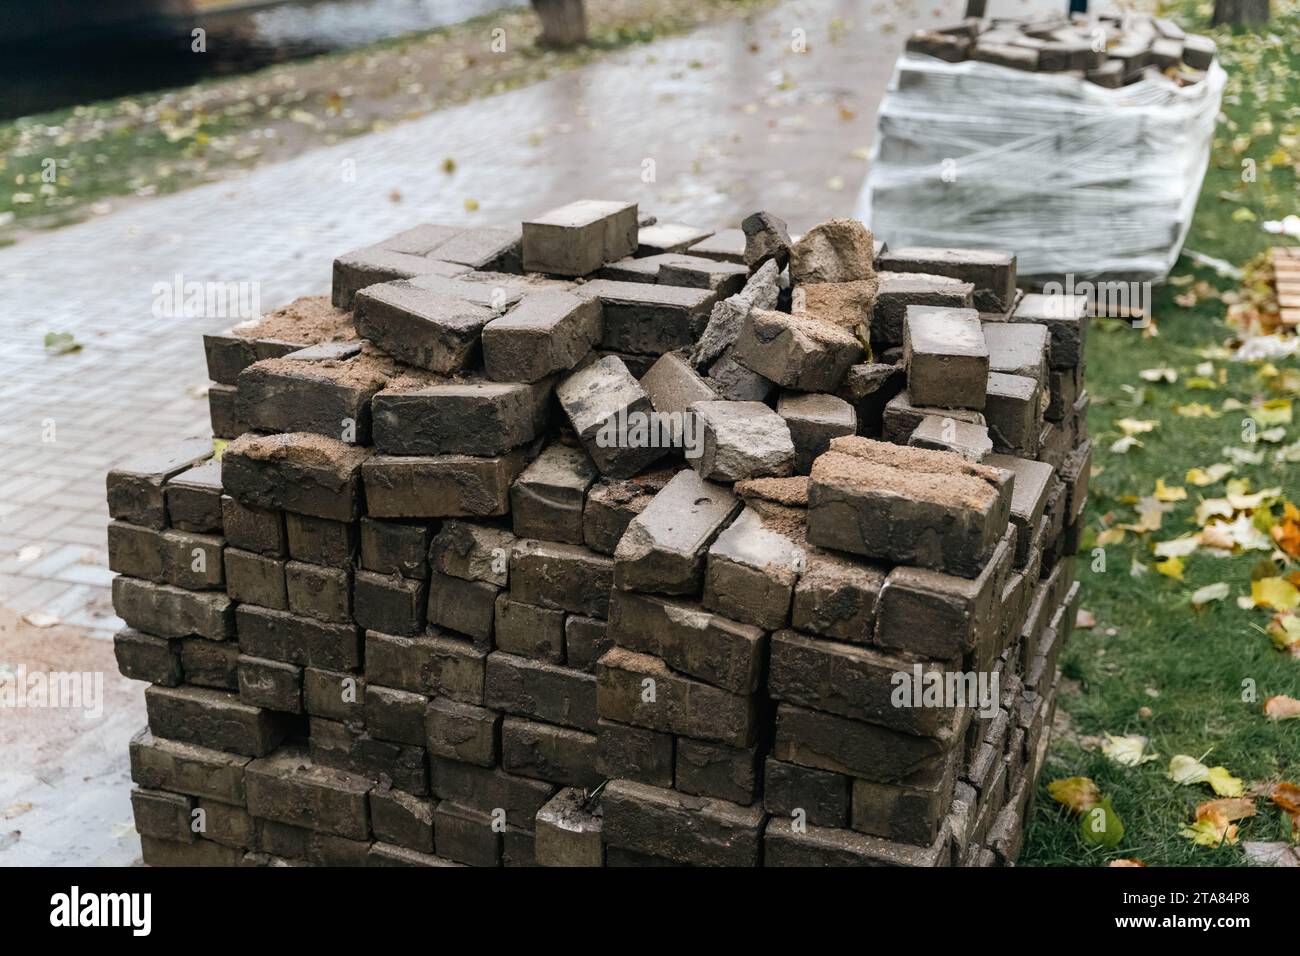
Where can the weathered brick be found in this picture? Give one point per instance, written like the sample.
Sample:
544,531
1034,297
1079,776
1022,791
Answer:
585,640
162,764
301,472
135,487
210,663
320,540
147,658
167,611
786,845
602,401
388,603
270,684
548,332
462,418
435,665
695,830
556,754
466,607
462,732
253,529
830,742
491,789
993,274
612,503
337,695
624,752
288,788
256,579
280,636
395,547
578,238
709,769
193,498
529,631
569,831
545,692
422,327
562,576
397,715
324,594
546,500
818,797
440,486
796,351
402,819
213,718
644,319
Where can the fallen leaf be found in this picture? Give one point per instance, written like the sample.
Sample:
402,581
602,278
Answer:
1224,783
1212,830
1171,568
1084,619
1208,476
1077,794
15,810
1126,863
1168,493
1163,374
1286,533
1271,854
1233,808
1281,707
1100,825
41,619
1284,629
61,343
1128,750
1210,593
471,205
1277,593
1110,536
1177,547
1187,770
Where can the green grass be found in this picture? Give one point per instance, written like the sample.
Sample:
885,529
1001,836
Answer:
1150,648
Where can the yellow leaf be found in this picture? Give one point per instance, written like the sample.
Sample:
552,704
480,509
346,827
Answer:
1208,476
1277,593
1213,508
1213,830
1196,410
1128,750
1163,374
471,205
1276,411
1224,783
1137,426
1110,536
1169,492
1187,770
1282,707
1125,863
1209,593
1171,568
1284,629
1078,794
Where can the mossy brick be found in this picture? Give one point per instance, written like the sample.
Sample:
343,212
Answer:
422,327
569,831
546,500
397,715
829,742
818,797
166,611
558,755
624,752
147,658
372,265
849,680
561,576
690,640
253,529
678,705
281,636
787,845
541,691
288,788
491,789
472,551
991,273
434,664
335,695
193,498
612,503
466,835
603,401
440,486
697,830
395,547
463,418
213,718
256,579
836,597
322,541
401,819
136,486
210,663
388,603
708,769
462,732
751,572
300,472
161,764
321,593
907,505
585,640
528,630
274,685
664,547
578,238
162,815
796,351
548,332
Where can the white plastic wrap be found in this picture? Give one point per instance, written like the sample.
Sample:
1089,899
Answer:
1072,177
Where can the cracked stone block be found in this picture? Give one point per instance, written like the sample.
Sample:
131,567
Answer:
837,598
645,319
578,238
604,404
814,418
735,383
970,441
819,796
868,387
664,547
1066,319
440,486
301,472
673,385
725,245
993,274
560,755
457,418
796,351
569,831
561,576
946,357
1013,412
472,551
395,547
1018,348
766,237
213,718
847,305
814,738
708,769
901,417
722,652
741,440
548,332
193,498
700,831
401,820
751,572
547,499
422,327
838,250
721,278
374,265
135,488
907,505
463,732
612,503
898,290
664,237
761,291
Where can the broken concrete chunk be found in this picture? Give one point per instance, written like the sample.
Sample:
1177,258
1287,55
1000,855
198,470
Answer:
610,412
796,351
739,440
766,237
838,250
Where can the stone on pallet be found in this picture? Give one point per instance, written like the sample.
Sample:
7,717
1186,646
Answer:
695,830
546,500
739,440
548,332
422,327
569,831
946,357
463,418
819,797
440,486
837,598
213,718
578,238
814,418
751,572
907,505
664,547
798,352
949,434
542,691
1012,409
1066,318
166,611
606,407
302,472
135,487
993,274
766,237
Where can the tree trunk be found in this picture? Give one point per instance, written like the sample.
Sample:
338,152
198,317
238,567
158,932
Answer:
564,22
1240,11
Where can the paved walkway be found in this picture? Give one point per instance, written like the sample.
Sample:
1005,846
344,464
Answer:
730,116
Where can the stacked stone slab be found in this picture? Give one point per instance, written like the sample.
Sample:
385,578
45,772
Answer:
605,542
1111,51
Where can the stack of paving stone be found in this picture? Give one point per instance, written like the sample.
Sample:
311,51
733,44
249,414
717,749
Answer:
1111,51
610,542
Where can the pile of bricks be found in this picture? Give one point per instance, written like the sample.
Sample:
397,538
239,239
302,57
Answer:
1111,51
612,542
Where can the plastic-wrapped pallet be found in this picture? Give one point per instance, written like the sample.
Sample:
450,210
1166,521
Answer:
1081,179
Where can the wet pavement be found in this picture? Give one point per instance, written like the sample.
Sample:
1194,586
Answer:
703,129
